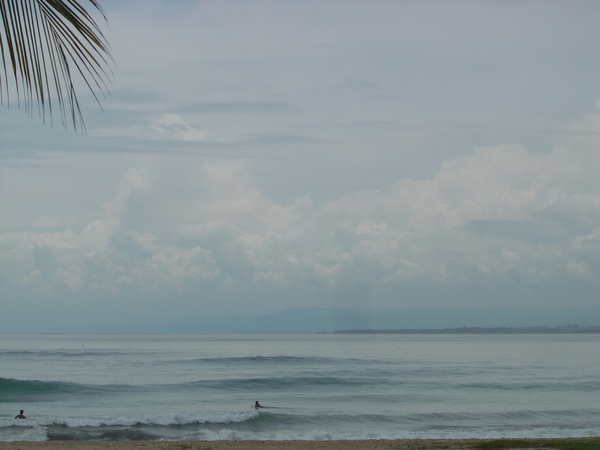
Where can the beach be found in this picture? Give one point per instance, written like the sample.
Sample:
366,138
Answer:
371,444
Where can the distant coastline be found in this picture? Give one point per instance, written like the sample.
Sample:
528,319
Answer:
567,329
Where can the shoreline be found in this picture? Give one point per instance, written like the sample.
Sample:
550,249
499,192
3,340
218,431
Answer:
373,444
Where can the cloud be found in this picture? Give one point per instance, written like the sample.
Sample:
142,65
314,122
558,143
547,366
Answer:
165,127
537,231
236,107
501,214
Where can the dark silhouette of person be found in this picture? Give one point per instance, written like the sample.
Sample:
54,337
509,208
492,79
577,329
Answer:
257,405
21,415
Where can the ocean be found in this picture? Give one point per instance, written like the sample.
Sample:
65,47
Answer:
313,387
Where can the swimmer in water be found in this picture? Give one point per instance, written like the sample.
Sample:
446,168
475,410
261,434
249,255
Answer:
21,415
257,405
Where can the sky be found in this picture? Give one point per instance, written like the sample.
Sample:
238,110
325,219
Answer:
257,156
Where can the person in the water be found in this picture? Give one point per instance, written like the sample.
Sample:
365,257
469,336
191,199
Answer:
21,415
257,405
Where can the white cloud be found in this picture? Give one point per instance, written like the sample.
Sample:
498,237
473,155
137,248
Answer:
165,127
526,223
132,179
172,126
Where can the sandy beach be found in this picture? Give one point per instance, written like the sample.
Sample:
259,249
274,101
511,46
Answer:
382,444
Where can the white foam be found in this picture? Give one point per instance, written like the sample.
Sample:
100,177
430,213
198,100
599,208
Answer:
172,418
322,435
30,433
4,423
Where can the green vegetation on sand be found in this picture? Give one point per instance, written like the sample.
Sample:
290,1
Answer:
558,444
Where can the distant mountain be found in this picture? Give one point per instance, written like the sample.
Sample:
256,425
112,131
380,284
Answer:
567,329
329,320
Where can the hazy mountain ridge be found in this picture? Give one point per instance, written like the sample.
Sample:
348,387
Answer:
567,329
330,320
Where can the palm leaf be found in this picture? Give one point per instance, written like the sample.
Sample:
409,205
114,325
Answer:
44,44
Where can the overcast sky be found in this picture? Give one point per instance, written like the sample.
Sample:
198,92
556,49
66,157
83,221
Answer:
255,156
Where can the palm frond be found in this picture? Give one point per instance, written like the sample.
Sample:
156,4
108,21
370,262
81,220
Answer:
43,45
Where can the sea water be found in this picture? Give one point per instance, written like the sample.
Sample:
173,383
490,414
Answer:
313,387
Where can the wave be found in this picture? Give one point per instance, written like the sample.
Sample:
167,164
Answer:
581,386
18,391
32,434
317,434
118,434
500,417
227,434
161,420
282,359
324,435
288,383
67,353
264,419
12,390
264,425
300,360
277,383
